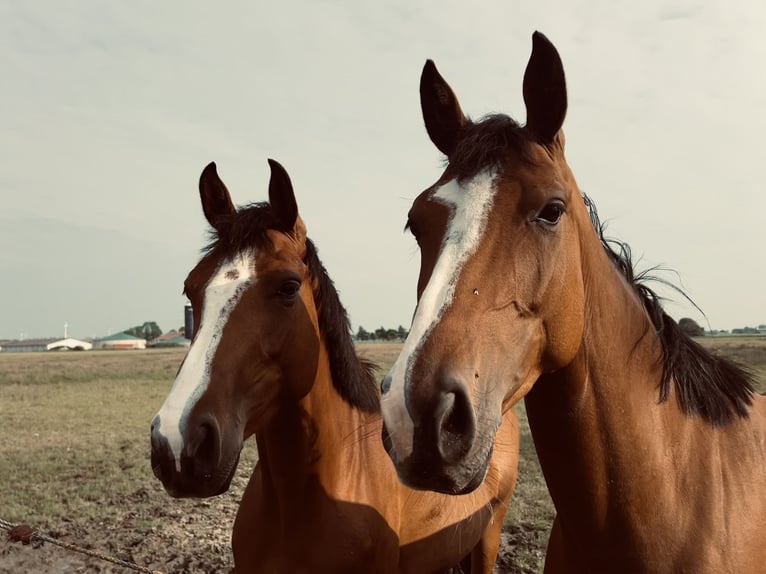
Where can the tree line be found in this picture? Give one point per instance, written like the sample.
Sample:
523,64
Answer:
693,329
148,330
381,334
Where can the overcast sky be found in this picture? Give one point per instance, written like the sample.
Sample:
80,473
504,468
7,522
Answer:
112,109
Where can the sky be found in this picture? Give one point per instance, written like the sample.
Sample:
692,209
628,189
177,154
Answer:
112,109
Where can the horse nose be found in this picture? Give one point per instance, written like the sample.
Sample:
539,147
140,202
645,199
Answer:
185,473
162,458
455,420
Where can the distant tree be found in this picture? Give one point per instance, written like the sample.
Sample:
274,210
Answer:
362,334
381,334
690,327
149,330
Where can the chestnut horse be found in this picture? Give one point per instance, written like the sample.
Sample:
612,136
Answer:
273,356
654,450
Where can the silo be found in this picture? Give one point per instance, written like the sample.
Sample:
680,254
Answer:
188,321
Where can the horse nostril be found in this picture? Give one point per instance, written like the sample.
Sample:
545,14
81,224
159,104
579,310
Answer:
155,424
159,443
456,422
161,457
207,444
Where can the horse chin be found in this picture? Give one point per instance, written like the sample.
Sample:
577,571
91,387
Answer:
425,473
227,482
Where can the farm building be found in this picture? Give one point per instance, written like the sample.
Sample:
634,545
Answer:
170,339
120,341
38,345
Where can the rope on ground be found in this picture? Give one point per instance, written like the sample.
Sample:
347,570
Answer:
25,534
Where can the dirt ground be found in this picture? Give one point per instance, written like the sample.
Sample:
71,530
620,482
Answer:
193,537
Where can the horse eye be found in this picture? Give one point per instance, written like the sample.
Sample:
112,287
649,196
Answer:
551,213
289,288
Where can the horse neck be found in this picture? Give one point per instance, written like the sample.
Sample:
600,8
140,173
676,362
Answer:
597,420
306,440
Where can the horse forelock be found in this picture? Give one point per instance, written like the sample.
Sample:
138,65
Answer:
242,231
485,145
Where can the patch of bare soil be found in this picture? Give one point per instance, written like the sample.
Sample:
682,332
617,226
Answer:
176,536
166,535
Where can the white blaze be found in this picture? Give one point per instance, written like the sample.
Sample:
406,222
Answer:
222,293
470,204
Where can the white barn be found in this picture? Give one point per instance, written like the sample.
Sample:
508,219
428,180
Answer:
120,341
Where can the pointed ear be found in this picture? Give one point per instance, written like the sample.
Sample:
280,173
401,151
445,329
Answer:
216,201
545,91
441,110
282,197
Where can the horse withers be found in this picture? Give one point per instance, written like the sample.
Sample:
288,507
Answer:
273,357
654,450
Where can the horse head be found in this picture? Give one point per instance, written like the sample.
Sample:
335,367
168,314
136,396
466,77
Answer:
500,291
252,300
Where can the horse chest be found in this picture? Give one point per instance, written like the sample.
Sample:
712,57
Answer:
328,550
312,534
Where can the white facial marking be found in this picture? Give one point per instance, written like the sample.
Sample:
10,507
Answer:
222,293
470,204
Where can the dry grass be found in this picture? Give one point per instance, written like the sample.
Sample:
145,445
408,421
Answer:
74,461
74,419
749,351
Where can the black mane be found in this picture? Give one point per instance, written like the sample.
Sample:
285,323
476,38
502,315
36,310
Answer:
352,376
714,387
485,144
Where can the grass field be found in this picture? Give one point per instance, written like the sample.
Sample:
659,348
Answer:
74,462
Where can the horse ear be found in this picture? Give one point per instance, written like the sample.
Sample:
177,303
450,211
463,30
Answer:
441,110
216,201
545,91
282,197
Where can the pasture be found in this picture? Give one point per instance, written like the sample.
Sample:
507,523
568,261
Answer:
74,463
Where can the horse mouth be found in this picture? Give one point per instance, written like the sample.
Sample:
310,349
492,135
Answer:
195,482
426,469
229,476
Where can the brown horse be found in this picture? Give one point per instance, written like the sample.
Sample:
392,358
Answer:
653,449
273,356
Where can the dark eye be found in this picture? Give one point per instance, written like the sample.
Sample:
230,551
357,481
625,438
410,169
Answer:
551,213
289,289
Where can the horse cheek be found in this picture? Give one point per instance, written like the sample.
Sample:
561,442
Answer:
299,355
564,326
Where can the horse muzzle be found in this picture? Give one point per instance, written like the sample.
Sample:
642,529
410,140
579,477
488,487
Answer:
204,468
443,454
